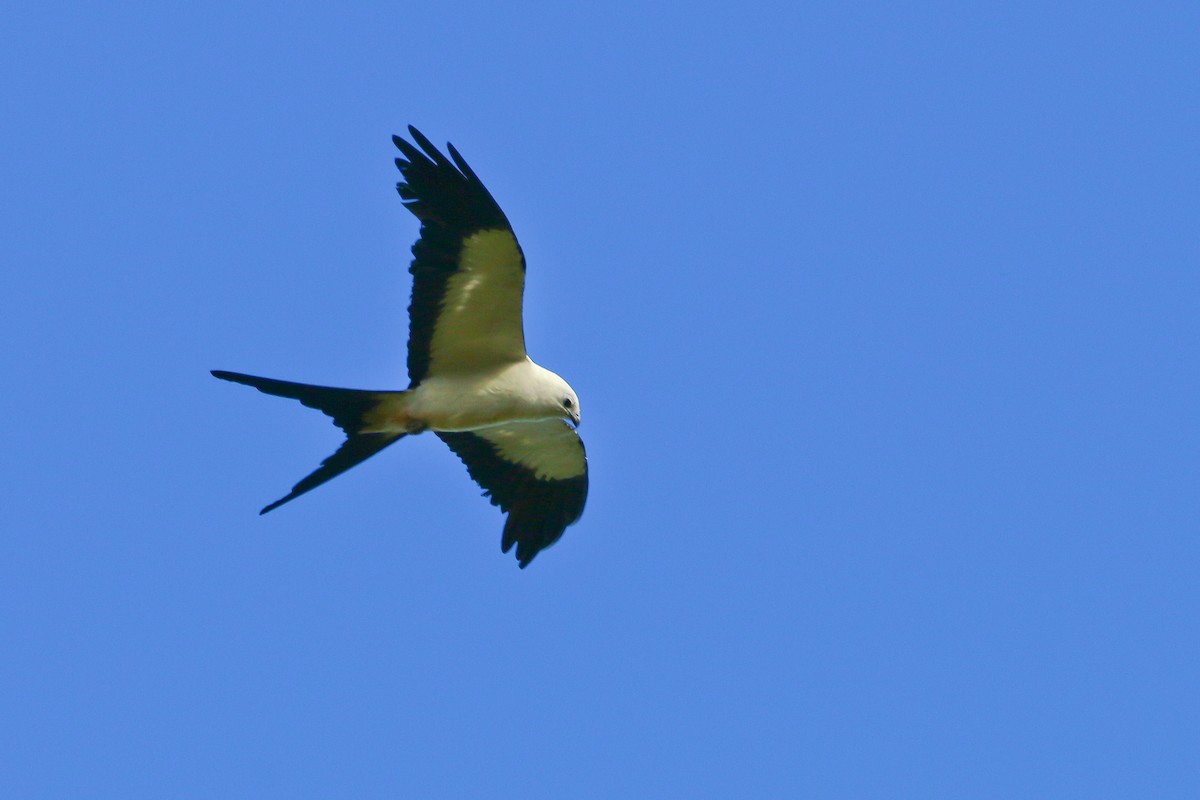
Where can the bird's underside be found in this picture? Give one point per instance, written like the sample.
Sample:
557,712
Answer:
471,382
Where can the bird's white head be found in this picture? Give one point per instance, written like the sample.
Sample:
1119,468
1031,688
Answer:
558,399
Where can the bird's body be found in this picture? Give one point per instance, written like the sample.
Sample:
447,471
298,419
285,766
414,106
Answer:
467,401
472,382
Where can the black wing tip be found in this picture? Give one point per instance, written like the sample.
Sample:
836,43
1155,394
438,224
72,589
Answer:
523,554
417,136
461,163
411,154
428,152
425,144
530,541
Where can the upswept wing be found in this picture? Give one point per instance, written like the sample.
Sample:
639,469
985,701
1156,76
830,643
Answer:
468,269
536,472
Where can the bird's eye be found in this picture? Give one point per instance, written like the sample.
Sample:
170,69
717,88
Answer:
567,403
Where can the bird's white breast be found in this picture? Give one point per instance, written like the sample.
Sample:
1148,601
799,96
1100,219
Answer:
463,402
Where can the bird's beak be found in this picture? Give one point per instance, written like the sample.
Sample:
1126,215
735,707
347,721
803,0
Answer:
575,420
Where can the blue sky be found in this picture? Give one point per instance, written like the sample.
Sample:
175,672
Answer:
884,321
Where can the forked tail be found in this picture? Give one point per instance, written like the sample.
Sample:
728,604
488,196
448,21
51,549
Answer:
347,408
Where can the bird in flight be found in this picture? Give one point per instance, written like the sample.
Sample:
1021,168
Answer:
511,422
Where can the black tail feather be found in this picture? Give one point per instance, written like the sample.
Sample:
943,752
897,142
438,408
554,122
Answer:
345,406
355,450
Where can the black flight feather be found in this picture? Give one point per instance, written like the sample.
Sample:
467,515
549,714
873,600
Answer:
452,204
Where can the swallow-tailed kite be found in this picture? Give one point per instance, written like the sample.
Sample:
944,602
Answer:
472,383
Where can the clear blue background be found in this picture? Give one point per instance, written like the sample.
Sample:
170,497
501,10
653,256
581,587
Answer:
884,320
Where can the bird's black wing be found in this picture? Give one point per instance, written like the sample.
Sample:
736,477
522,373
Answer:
468,269
536,472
